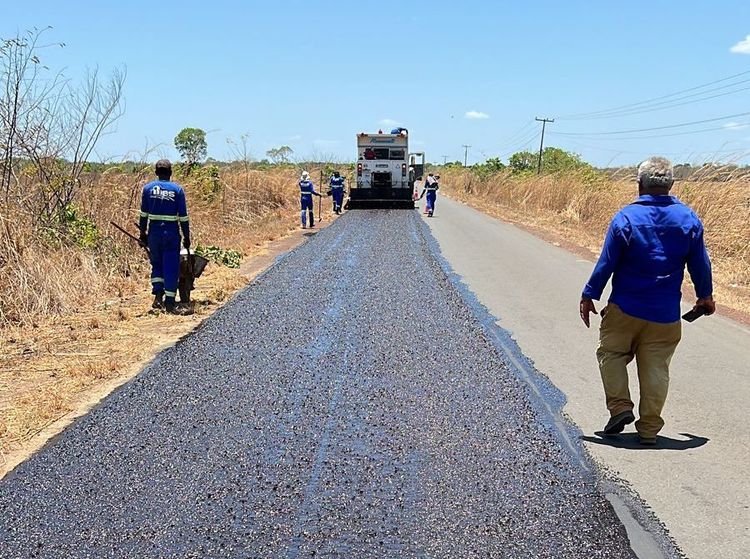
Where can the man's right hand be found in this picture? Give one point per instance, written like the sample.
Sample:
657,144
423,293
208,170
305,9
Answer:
586,308
143,239
708,304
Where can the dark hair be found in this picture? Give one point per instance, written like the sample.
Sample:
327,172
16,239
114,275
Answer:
163,169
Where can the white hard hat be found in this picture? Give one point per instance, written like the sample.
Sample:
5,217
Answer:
305,175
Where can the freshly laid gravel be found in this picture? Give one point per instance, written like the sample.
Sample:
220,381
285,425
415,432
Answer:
345,405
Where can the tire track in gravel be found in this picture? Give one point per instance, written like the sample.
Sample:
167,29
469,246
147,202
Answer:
347,404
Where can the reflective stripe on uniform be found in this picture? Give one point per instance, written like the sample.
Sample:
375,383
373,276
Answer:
183,218
157,280
155,217
144,214
170,293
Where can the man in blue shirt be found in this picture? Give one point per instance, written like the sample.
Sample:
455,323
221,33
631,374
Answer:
163,215
431,186
648,244
337,191
306,193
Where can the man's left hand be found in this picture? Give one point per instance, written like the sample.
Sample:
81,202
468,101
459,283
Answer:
708,304
586,308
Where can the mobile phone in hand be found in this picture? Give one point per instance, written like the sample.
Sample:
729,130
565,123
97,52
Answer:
694,314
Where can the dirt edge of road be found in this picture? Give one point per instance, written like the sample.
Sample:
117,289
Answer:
88,398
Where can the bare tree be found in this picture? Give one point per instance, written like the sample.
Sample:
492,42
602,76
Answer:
241,153
49,124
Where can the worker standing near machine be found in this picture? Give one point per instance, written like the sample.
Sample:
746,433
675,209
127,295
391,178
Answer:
307,191
337,191
431,186
163,216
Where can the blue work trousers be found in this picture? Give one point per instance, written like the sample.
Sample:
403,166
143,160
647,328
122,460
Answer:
164,247
306,202
431,197
338,198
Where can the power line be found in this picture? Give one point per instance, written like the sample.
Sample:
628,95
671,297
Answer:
635,130
664,105
649,101
522,144
544,122
445,159
686,133
517,134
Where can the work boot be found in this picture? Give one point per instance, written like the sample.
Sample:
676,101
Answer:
170,307
618,422
158,301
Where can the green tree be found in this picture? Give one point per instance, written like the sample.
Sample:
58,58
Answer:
280,154
555,160
191,143
493,165
522,161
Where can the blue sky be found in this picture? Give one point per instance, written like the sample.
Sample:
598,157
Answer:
313,74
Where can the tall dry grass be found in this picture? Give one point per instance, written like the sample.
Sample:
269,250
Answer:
43,273
580,205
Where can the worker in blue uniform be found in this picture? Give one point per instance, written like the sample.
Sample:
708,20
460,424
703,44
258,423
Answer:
337,191
307,191
163,216
431,186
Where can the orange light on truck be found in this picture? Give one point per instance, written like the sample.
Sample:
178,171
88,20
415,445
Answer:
359,169
403,169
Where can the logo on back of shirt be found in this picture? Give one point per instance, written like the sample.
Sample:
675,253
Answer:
158,194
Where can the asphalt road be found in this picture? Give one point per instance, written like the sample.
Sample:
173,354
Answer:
347,404
696,480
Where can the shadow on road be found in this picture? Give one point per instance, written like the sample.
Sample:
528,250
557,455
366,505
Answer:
630,441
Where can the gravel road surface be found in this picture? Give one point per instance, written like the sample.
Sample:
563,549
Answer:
347,404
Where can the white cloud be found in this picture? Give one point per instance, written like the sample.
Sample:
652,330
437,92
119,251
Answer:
735,125
389,122
743,47
476,115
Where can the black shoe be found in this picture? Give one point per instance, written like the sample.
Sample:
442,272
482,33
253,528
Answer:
618,422
158,301
170,307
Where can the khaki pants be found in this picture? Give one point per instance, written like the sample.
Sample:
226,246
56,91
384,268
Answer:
623,337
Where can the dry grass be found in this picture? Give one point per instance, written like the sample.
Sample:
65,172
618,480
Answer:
74,320
579,207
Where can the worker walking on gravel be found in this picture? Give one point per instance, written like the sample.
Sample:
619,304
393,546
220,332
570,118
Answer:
431,186
648,244
163,216
337,191
307,191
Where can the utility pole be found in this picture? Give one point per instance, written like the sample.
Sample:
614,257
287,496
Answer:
445,159
466,153
544,122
